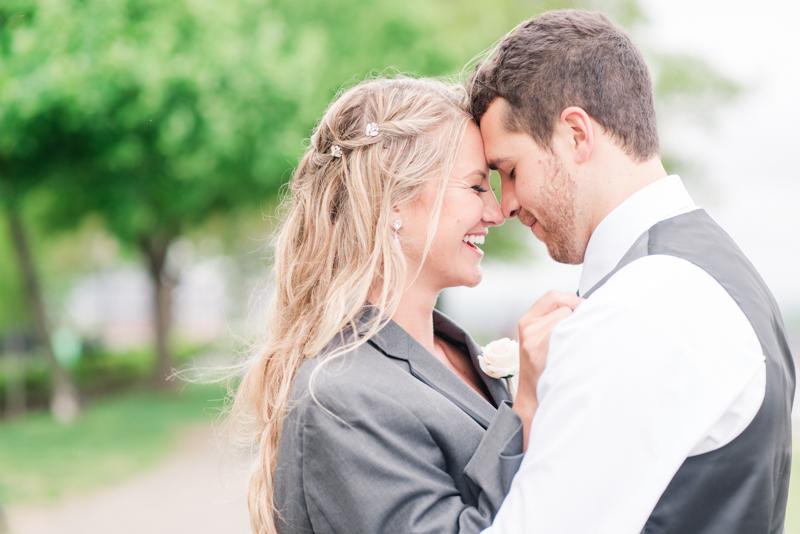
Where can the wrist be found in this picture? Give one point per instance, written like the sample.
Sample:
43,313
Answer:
525,408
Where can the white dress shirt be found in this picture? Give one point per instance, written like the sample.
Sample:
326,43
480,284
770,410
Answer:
657,365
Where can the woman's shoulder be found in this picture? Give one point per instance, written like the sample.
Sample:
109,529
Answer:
364,370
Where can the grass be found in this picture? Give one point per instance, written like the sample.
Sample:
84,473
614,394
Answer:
793,507
114,438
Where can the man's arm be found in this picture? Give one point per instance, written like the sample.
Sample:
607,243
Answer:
535,328
635,378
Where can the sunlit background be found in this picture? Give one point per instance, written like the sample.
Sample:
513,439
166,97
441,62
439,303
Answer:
143,145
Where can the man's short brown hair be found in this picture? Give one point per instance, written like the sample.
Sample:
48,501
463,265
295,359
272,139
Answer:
570,58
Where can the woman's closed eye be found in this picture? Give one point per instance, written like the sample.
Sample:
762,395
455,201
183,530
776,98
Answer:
479,189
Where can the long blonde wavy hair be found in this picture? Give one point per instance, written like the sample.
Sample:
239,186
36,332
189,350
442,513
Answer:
337,245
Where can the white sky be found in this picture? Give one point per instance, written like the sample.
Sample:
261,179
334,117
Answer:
750,179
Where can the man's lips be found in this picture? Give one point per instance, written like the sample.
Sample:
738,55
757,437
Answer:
527,219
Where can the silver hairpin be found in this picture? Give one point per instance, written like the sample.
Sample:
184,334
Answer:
372,130
336,151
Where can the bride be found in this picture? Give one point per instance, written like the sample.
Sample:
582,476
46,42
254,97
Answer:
368,407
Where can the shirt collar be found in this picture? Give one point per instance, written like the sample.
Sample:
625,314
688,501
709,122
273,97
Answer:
616,233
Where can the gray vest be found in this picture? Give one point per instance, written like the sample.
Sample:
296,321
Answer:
740,488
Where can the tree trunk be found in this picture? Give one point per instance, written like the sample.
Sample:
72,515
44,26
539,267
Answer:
64,402
155,250
15,375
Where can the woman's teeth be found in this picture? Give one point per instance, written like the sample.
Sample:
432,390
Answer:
473,239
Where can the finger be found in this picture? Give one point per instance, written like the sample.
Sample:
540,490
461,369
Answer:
548,321
552,300
552,321
538,331
571,300
557,315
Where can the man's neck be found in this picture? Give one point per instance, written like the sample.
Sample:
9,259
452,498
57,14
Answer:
622,179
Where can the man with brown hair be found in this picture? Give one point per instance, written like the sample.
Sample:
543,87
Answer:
665,403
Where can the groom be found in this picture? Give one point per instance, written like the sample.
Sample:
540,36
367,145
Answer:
665,404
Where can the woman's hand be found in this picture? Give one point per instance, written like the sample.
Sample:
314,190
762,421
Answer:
534,339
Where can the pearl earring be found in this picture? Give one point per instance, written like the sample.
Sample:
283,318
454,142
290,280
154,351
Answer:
397,225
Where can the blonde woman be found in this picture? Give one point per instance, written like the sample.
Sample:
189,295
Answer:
368,405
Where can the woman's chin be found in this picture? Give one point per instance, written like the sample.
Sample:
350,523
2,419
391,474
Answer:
463,279
473,280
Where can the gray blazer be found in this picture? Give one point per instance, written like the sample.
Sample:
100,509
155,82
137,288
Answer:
416,449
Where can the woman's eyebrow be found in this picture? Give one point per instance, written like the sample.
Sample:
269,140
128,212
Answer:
477,171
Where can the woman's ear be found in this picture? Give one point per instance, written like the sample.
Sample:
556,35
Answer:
577,129
397,214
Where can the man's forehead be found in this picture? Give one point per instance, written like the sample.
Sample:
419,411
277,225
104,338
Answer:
498,149
495,133
494,118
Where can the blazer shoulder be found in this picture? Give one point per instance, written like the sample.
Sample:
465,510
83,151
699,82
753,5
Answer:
340,376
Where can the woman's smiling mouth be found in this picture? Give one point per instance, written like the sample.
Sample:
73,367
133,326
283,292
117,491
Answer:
470,240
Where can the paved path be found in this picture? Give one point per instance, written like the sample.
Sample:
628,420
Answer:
197,491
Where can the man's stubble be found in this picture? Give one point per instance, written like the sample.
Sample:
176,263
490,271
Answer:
558,214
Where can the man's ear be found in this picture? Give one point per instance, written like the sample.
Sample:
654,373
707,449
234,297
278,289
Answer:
578,130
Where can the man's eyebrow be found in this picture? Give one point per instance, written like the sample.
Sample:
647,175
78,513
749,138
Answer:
495,163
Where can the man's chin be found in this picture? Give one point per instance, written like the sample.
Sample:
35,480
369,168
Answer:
563,254
558,245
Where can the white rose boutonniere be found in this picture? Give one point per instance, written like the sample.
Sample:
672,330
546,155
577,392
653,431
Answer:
500,359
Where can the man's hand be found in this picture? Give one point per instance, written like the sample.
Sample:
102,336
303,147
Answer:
535,328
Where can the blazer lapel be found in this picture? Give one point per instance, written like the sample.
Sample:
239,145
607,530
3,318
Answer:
443,324
397,343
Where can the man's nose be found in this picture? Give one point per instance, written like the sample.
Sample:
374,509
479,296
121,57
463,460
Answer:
508,199
492,213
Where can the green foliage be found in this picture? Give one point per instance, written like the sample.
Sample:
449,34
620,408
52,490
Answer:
166,112
96,374
626,13
687,87
177,110
43,460
159,114
690,84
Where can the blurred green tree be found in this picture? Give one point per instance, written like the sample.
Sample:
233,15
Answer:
157,114
31,149
38,138
167,112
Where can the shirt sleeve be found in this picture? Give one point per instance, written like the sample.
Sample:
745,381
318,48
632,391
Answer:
635,379
376,468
